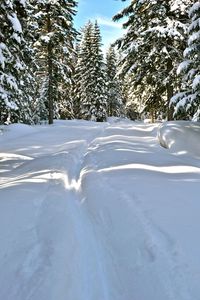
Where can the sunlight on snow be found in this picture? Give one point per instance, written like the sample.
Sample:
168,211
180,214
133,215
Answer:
27,178
69,185
168,169
12,156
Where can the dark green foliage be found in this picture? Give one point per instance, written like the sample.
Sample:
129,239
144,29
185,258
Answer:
90,76
152,47
36,45
12,59
114,89
187,102
54,45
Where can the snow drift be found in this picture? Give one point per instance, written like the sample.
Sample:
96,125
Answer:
181,137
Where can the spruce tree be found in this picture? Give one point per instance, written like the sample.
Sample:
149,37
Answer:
114,92
152,48
54,47
12,59
99,101
187,102
84,70
28,103
90,74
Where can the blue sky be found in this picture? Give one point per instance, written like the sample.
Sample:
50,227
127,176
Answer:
103,11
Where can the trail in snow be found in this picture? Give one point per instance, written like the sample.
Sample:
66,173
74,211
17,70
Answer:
134,250
55,229
97,211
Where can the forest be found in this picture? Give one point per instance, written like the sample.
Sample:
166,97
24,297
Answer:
50,70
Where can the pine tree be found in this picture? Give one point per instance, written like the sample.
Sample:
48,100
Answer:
54,47
12,58
90,74
152,48
99,101
84,70
114,93
187,102
28,102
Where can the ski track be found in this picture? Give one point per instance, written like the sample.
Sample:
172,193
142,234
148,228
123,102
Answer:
76,227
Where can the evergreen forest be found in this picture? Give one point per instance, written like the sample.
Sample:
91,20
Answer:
50,70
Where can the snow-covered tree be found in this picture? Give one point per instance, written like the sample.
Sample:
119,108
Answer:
12,58
54,47
133,99
90,76
187,102
152,47
114,92
28,110
83,69
99,102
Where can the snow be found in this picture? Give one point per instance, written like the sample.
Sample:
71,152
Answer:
194,37
23,2
188,51
164,31
194,25
100,211
2,57
46,38
15,22
196,82
182,138
195,8
178,5
183,66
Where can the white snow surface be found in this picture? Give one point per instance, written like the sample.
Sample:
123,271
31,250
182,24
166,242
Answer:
182,138
100,211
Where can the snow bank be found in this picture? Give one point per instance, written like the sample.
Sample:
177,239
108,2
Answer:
181,137
14,131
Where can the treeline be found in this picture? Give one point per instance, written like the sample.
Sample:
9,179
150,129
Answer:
49,70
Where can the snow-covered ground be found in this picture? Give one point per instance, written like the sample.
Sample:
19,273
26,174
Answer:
100,211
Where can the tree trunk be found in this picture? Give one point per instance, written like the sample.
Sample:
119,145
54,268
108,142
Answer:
170,91
49,69
152,115
170,110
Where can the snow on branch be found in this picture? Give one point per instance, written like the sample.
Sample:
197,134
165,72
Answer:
196,82
15,22
195,7
183,66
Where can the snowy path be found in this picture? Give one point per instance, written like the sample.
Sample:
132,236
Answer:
97,212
